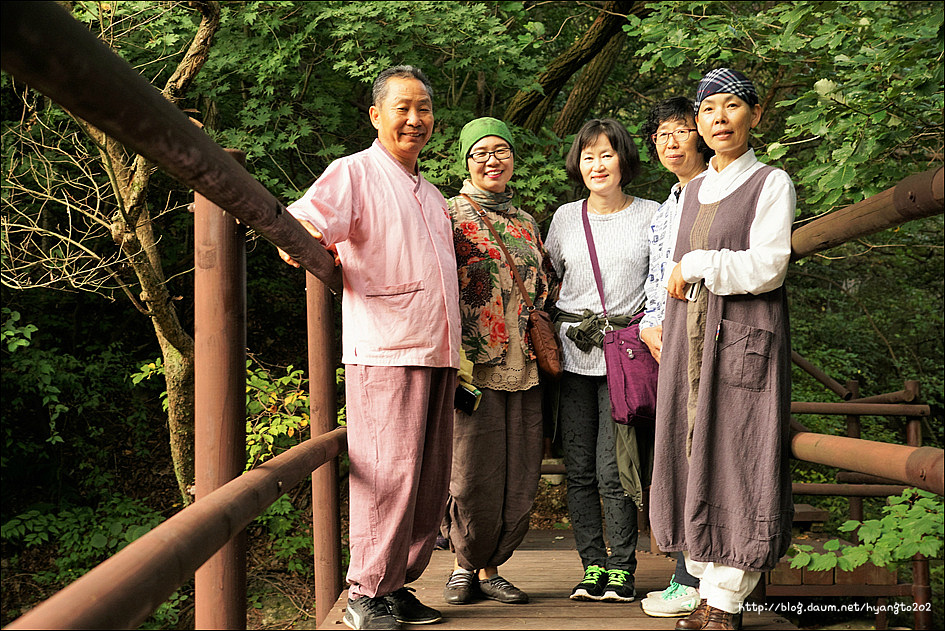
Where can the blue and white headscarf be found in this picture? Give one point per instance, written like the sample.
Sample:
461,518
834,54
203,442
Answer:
728,81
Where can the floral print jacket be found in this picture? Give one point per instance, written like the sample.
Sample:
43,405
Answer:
485,282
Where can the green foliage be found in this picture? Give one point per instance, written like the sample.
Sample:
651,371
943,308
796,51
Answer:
151,369
913,524
290,536
34,369
168,613
853,96
14,336
67,421
84,536
277,407
855,84
290,83
276,412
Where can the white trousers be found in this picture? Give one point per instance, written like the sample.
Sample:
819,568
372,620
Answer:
721,586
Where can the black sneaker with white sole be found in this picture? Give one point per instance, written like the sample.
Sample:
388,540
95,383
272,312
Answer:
409,610
370,613
619,588
592,587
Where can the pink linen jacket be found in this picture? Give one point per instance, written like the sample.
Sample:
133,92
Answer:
394,237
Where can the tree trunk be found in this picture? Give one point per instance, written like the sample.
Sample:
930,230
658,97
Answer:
179,377
133,231
483,107
529,109
584,93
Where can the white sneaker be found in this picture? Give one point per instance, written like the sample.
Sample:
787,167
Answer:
659,592
676,600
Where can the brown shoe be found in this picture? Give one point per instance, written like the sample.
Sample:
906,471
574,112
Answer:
717,619
695,620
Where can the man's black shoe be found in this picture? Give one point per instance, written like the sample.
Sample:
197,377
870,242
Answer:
409,610
370,613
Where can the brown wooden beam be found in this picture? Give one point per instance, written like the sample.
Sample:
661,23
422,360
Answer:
831,384
849,477
859,409
907,395
849,490
921,467
917,196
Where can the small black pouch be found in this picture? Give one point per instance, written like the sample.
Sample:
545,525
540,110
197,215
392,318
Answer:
467,398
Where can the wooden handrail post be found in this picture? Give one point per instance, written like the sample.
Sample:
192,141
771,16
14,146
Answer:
922,592
855,508
913,425
326,526
220,398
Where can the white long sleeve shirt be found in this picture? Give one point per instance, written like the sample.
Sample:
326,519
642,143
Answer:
763,266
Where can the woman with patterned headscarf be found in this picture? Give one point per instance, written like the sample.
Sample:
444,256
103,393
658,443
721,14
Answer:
497,447
721,491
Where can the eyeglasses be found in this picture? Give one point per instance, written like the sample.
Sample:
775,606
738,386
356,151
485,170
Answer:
682,135
502,153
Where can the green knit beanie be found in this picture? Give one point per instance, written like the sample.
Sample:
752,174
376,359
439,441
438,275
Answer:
476,130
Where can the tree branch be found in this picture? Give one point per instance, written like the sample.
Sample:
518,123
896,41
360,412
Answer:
529,108
197,54
587,87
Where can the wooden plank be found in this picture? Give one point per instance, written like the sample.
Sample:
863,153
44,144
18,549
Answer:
546,566
867,574
824,591
784,574
807,513
823,577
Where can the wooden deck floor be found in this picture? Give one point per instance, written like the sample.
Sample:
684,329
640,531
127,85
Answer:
546,566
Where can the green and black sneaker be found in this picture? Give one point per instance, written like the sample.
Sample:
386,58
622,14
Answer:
592,587
619,588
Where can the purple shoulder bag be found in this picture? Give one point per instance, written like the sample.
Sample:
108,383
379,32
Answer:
631,370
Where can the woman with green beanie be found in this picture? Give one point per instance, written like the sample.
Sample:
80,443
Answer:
497,447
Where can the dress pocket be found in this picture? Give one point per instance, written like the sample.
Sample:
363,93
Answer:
743,355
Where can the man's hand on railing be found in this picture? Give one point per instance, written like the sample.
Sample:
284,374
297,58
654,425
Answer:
312,230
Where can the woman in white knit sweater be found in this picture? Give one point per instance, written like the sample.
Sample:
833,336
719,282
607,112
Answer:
604,159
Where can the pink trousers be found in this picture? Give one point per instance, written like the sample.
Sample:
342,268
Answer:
400,430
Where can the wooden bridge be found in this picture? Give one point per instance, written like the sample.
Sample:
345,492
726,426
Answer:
547,567
43,46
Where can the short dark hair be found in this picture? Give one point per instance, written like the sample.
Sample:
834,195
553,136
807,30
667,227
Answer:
676,108
627,155
379,90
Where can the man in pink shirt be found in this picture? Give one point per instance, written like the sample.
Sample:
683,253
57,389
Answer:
400,347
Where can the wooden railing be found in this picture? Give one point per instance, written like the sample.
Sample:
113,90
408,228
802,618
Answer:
123,591
43,46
